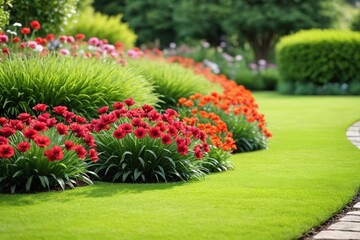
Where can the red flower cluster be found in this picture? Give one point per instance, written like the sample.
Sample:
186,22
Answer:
34,130
147,122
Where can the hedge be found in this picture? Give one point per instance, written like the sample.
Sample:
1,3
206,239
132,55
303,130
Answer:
320,58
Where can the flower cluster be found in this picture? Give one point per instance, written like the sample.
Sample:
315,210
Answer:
35,131
75,46
147,122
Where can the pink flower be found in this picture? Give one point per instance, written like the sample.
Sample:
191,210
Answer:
4,38
32,44
70,39
64,51
94,41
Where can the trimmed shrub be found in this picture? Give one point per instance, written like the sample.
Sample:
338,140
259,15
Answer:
171,80
83,85
319,61
94,24
53,14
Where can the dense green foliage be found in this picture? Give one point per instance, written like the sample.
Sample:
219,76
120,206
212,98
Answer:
323,58
4,12
262,22
355,25
53,15
90,84
94,24
171,80
109,7
310,172
151,20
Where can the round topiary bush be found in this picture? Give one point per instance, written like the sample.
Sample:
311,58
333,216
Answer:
326,60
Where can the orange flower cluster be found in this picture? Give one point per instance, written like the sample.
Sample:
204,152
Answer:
235,99
213,126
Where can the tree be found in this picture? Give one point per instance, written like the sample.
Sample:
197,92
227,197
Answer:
151,20
109,7
262,22
52,14
199,19
4,12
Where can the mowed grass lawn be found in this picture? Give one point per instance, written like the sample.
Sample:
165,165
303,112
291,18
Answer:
310,172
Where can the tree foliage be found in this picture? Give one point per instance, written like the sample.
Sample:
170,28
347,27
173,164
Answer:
52,14
4,12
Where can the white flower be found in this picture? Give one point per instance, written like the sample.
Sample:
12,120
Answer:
262,62
17,24
39,48
205,44
238,58
172,45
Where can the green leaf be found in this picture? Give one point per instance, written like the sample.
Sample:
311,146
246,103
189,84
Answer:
61,183
17,173
142,161
28,183
137,173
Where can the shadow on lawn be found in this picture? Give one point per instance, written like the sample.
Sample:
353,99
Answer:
97,190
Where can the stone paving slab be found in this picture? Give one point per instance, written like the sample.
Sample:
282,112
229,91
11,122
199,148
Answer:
345,226
354,213
338,235
352,134
357,205
351,218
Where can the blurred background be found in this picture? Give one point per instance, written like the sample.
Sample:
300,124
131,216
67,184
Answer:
232,37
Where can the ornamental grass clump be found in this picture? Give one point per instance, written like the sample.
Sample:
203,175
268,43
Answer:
142,145
39,153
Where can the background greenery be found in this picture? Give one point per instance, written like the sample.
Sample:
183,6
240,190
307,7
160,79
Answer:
309,172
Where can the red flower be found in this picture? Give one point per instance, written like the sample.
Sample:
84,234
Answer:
24,117
80,36
54,153
118,105
25,31
126,127
119,134
60,109
180,141
39,126
63,38
93,155
161,126
68,116
35,24
140,132
80,151
16,39
198,154
30,133
89,140
16,124
147,108
78,129
80,119
7,131
62,129
42,141
166,139
23,146
51,122
40,107
129,102
50,37
3,121
43,117
3,140
6,51
69,145
206,147
103,110
136,122
6,151
183,149
154,115
154,132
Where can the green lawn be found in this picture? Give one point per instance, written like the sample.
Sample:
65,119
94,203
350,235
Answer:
310,171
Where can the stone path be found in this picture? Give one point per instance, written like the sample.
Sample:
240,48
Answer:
347,227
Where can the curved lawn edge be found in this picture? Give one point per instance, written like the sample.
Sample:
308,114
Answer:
309,172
